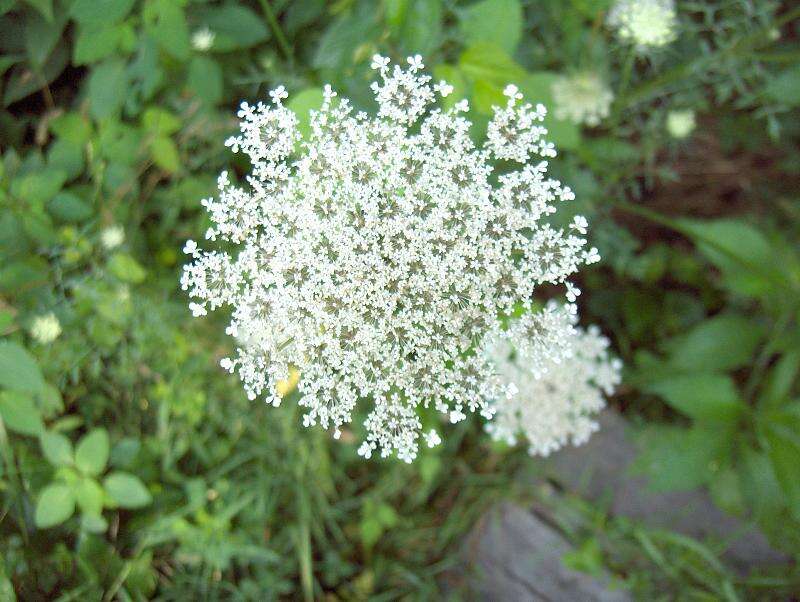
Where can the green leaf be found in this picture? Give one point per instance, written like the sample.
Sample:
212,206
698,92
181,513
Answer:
91,454
702,396
537,88
760,486
108,84
497,22
66,156
780,379
783,449
676,458
235,27
422,29
73,127
166,22
56,504
45,7
100,12
126,268
303,102
785,88
160,121
490,64
205,79
96,43
748,262
56,447
165,154
41,36
69,207
38,188
23,81
724,342
93,523
89,496
337,48
126,490
18,368
20,414
453,76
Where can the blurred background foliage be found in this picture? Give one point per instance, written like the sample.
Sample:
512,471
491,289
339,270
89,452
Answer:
131,467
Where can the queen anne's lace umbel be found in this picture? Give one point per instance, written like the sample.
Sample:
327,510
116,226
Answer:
646,23
557,407
381,256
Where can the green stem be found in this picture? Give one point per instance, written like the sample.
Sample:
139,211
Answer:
269,14
760,366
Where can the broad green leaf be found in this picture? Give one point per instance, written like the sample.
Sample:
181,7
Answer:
56,447
126,490
785,88
453,76
760,486
780,379
745,256
108,84
73,127
160,121
234,26
165,20
702,396
497,22
91,453
422,29
724,342
126,268
56,504
69,207
165,154
783,449
303,102
676,458
41,36
100,12
66,156
19,369
336,49
205,79
38,188
490,64
96,43
94,523
89,496
20,414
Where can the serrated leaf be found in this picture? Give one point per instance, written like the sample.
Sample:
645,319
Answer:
91,453
19,370
56,504
56,448
126,490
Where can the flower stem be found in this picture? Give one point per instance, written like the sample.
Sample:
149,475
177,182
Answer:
269,14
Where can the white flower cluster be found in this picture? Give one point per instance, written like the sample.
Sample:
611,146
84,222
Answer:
582,98
381,257
45,328
681,123
557,407
646,23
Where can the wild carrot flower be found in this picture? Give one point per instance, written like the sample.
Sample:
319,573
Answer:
381,256
557,407
582,98
680,123
646,23
45,328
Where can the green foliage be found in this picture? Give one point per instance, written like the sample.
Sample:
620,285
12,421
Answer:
132,468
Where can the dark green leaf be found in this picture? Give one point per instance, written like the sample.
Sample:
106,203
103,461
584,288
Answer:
107,88
100,12
234,26
205,79
702,396
69,207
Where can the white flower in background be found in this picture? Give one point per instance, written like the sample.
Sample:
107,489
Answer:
558,407
203,39
45,328
377,256
112,237
680,123
645,23
582,98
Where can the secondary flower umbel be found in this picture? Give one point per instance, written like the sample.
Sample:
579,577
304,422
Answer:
378,256
558,407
